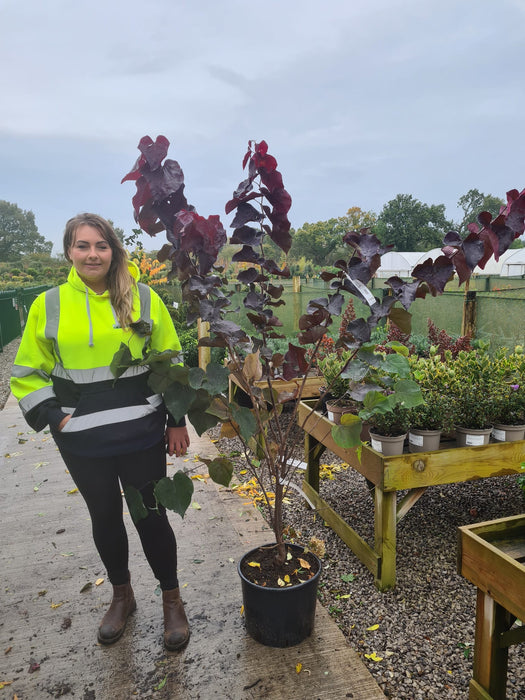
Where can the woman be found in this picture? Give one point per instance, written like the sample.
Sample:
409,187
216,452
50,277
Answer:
110,433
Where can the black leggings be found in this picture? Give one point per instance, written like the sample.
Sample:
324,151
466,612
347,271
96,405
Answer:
97,479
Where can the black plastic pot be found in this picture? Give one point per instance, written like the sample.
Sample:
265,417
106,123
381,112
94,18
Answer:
279,617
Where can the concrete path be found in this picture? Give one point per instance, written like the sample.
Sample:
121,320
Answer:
52,599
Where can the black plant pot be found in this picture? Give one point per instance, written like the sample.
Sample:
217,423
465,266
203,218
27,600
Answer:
279,617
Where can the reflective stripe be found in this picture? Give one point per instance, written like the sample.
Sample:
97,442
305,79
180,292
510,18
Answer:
145,302
52,316
20,371
104,418
155,400
35,397
97,374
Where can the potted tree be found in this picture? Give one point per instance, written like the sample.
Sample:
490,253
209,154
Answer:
261,205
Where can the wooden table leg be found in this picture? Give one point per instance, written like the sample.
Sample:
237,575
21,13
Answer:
313,450
490,659
385,537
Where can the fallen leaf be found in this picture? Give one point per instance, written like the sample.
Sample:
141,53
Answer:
373,657
99,581
280,582
196,506
8,650
56,605
4,683
162,683
86,587
184,585
288,556
254,564
242,610
41,593
372,628
304,563
298,668
75,490
287,579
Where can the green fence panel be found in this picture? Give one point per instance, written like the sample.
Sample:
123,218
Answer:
14,307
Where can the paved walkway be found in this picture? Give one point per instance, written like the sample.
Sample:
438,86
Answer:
52,598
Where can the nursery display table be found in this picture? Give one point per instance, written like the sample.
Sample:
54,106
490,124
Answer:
492,556
413,472
311,387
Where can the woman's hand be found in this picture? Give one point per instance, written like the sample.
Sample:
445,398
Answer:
63,422
177,441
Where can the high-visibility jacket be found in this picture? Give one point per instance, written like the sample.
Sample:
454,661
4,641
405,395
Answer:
63,367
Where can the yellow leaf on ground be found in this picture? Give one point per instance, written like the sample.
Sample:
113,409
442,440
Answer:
373,657
56,605
372,628
298,668
99,581
304,563
280,582
75,490
4,683
254,564
195,505
287,578
242,610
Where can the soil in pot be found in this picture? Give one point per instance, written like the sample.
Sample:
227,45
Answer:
277,612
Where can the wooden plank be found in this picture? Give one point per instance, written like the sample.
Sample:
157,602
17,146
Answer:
311,388
491,569
406,503
371,463
385,538
359,547
453,465
490,660
476,692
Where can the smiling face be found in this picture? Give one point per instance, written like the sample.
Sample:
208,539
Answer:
91,256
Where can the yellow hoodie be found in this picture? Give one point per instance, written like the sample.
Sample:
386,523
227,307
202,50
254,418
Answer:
63,367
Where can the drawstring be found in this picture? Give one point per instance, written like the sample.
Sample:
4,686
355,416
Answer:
91,343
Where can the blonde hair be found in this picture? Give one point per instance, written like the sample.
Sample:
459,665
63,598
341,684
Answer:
119,280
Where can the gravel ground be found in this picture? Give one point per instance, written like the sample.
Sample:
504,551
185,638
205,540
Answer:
425,626
422,648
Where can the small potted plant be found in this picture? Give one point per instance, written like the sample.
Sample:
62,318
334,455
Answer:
336,387
430,419
473,387
509,401
387,393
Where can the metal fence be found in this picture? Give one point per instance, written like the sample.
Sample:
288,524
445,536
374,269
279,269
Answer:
14,307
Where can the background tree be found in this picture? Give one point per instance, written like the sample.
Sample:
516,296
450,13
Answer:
473,203
358,219
412,225
319,242
19,233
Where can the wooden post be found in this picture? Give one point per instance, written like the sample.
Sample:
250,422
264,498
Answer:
203,331
468,323
296,284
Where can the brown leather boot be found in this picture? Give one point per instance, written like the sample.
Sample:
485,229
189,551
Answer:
176,627
114,621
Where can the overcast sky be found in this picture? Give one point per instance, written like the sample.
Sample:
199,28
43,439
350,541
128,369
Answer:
359,100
